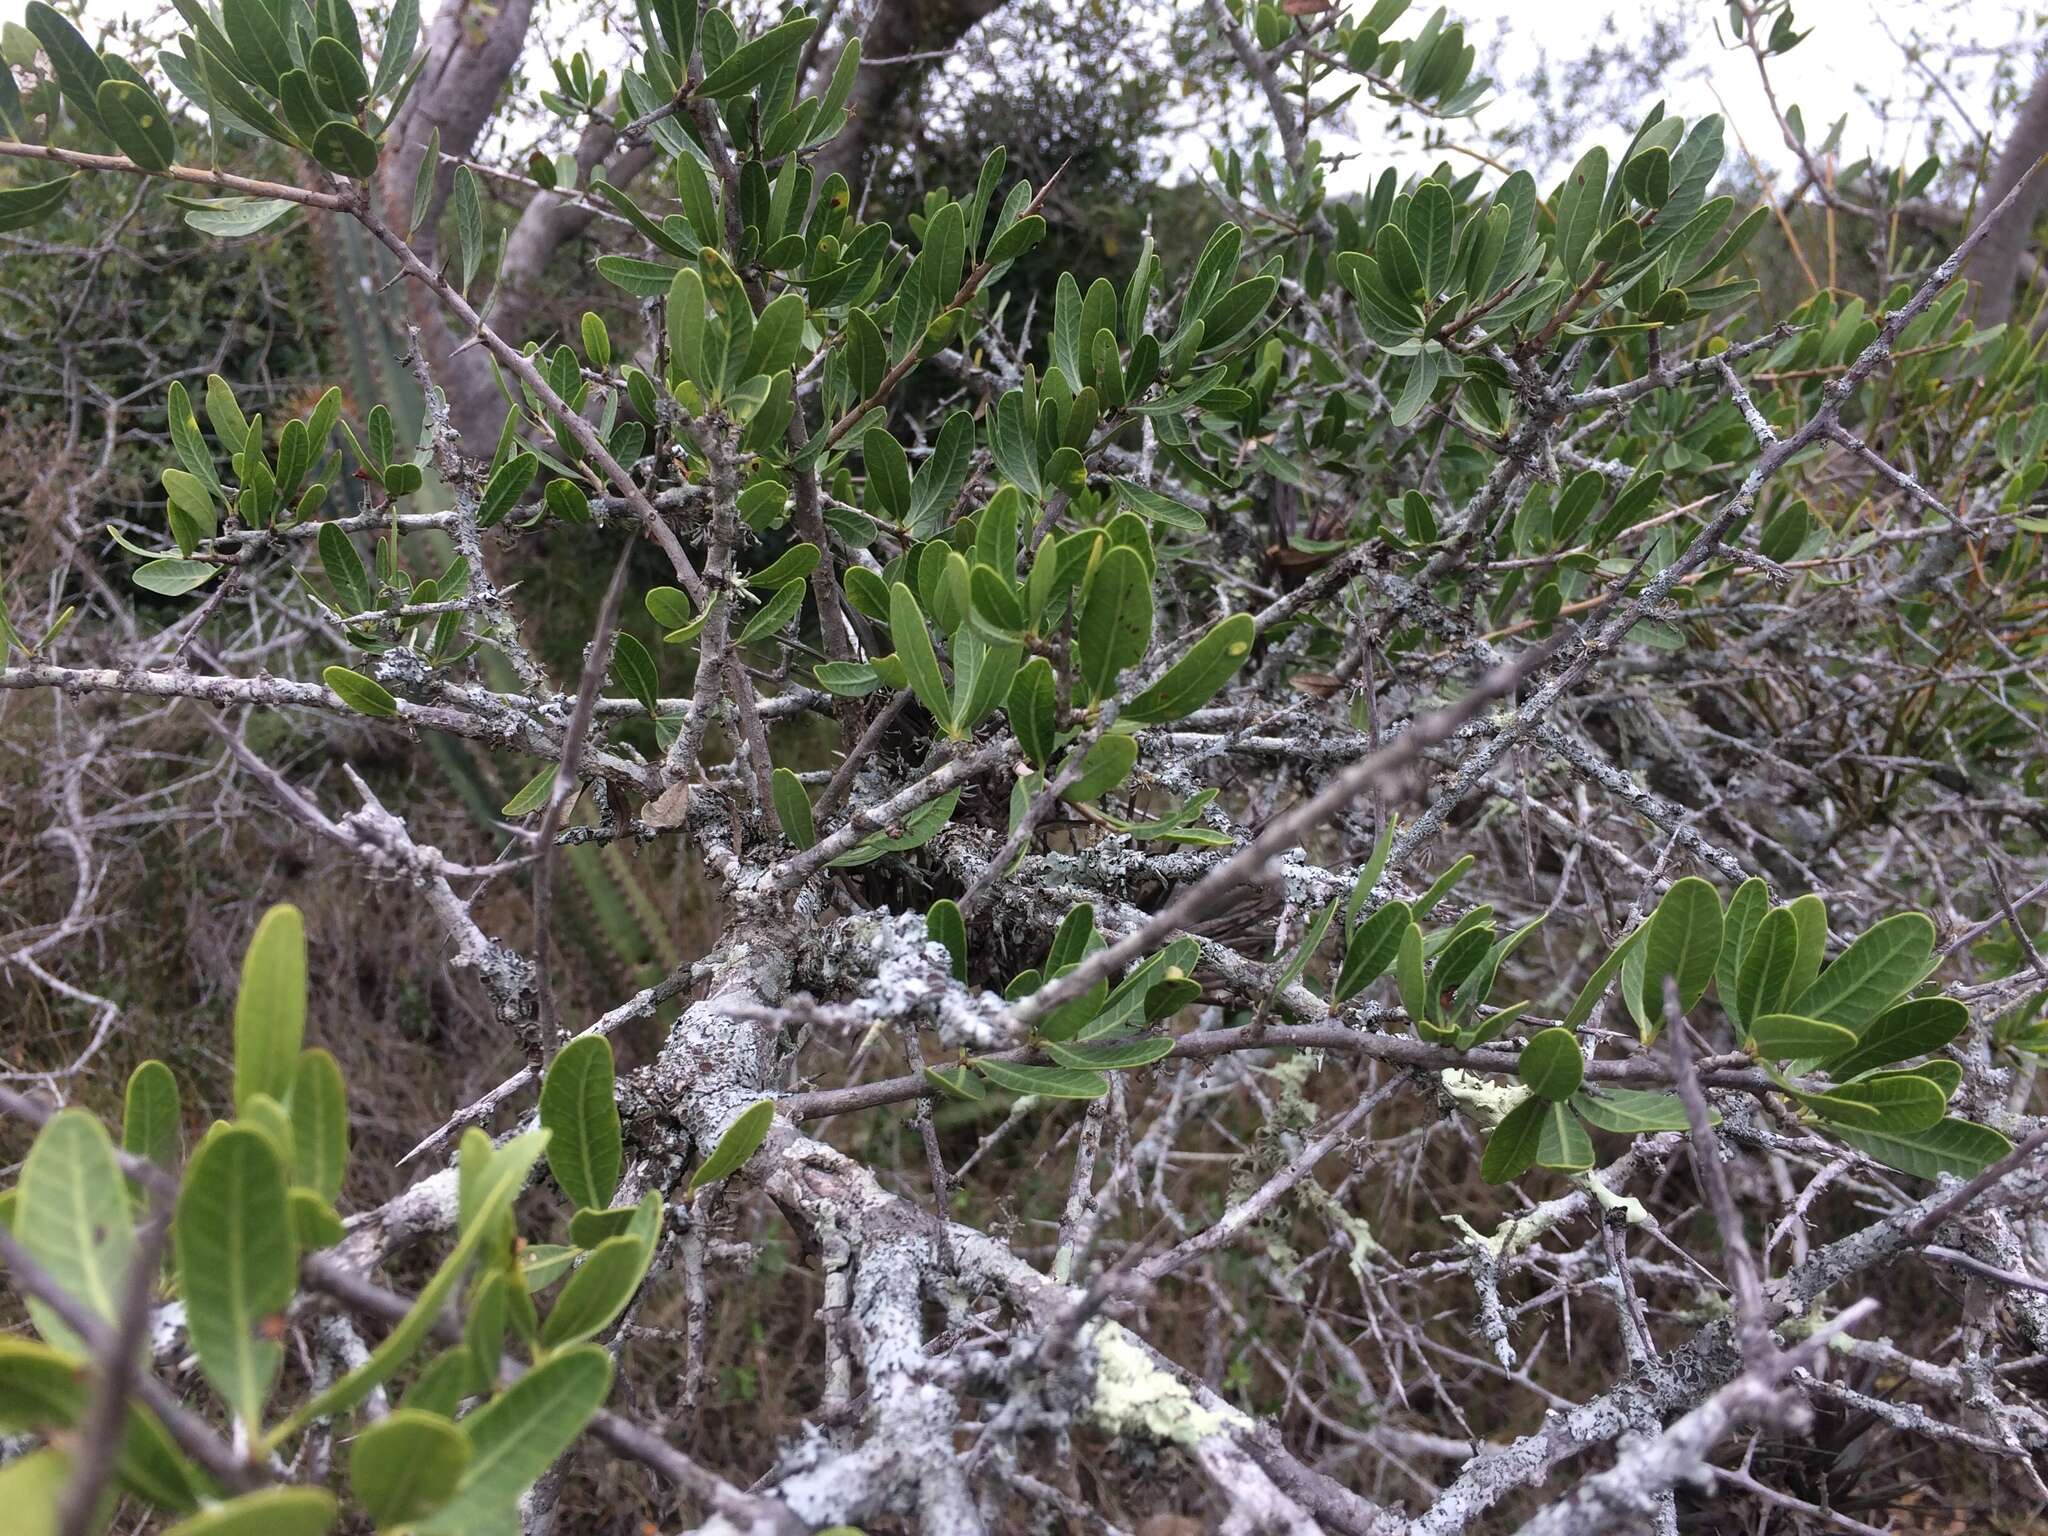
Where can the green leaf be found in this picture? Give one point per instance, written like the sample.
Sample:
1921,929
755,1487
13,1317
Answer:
344,568
234,103
742,1139
642,279
361,694
542,1264
237,1264
793,809
888,472
1960,1147
588,1228
669,607
1647,176
771,617
43,1389
508,482
1578,207
1810,922
1044,1082
1766,967
314,1221
1198,676
604,1283
578,1111
1103,1055
174,578
270,1008
751,63
1551,1066
1563,1144
793,564
1632,1111
152,1118
22,206
1788,1036
919,828
1443,885
406,1465
71,1215
1916,1027
1430,232
1747,909
337,74
567,501
1032,705
1108,764
32,1484
1905,1103
429,175
1409,978
267,1512
533,794
995,600
777,333
135,121
516,1437
79,70
914,649
633,669
1373,946
268,1115
191,445
956,1083
1115,623
1871,973
469,222
319,1114
945,923
503,1174
1683,940
939,479
846,679
346,150
1016,240
232,218
253,31
686,326
1515,1141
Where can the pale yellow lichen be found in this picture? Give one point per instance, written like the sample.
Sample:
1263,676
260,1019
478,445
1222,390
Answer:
1135,1397
1484,1099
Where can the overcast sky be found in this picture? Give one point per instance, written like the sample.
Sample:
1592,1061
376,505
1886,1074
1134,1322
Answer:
1858,57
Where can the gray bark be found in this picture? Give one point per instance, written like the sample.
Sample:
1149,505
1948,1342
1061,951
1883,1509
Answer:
1999,258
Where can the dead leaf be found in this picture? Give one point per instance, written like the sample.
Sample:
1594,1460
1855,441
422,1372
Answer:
667,810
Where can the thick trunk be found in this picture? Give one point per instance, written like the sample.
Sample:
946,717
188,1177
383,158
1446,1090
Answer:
1998,260
472,54
902,30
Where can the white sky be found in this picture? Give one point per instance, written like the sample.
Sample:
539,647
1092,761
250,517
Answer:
1856,58
1859,55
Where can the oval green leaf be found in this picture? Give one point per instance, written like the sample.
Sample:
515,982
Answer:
237,1264
270,1007
1551,1065
359,693
407,1465
71,1215
586,1147
742,1139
